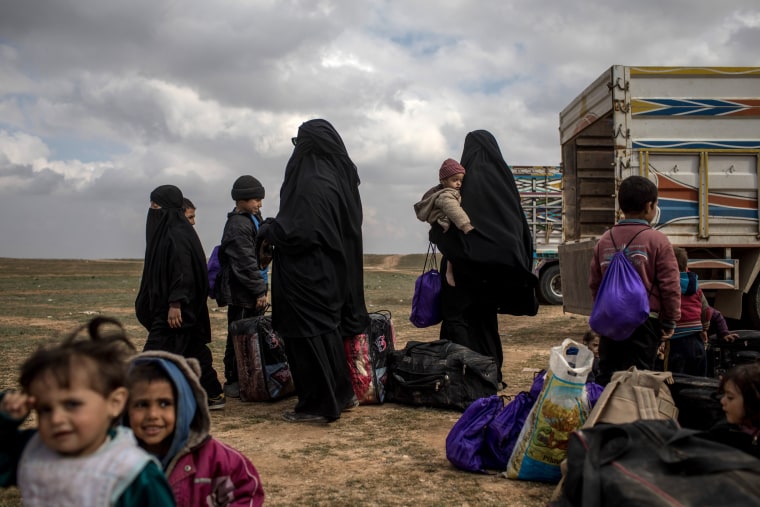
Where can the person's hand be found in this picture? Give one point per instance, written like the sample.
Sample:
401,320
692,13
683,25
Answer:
261,302
175,316
222,492
730,337
16,405
467,228
667,333
704,336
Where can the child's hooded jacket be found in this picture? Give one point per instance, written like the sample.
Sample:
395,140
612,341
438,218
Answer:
201,470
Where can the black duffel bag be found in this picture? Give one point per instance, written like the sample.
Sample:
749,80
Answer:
440,374
655,463
698,401
723,355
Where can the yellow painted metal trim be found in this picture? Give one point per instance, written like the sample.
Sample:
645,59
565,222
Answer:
695,71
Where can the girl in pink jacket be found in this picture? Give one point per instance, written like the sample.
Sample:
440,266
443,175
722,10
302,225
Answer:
168,413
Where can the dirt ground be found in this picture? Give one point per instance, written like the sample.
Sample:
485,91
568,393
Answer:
396,454
375,455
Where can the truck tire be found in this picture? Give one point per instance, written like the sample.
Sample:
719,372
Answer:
550,286
751,310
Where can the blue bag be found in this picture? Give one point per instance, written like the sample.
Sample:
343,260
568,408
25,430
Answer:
622,302
213,271
465,440
426,302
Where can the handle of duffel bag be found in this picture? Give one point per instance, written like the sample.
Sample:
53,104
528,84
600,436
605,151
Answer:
384,313
433,382
437,347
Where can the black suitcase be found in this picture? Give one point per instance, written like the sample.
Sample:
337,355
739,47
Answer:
697,400
722,355
440,374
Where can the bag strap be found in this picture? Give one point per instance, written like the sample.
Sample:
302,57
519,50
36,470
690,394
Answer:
430,258
625,247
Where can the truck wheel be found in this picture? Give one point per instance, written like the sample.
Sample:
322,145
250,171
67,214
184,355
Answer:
550,286
751,310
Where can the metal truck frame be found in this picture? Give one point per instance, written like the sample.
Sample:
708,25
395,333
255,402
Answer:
540,189
695,132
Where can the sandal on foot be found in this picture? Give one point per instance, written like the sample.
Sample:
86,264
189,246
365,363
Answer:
303,417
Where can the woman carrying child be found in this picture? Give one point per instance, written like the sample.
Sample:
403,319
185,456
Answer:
78,456
168,412
492,263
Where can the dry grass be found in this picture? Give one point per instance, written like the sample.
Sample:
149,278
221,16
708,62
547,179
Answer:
375,455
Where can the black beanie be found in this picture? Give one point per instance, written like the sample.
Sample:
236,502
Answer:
247,187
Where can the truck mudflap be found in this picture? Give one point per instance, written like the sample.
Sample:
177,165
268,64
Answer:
574,263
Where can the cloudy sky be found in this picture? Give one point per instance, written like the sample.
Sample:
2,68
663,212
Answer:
101,101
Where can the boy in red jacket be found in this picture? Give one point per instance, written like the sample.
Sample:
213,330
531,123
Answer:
652,255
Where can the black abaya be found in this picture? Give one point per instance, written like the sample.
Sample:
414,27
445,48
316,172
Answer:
492,264
175,271
317,270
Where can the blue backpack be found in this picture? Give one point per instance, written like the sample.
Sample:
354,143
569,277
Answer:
622,301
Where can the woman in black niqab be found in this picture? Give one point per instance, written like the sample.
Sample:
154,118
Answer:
492,264
175,273
317,269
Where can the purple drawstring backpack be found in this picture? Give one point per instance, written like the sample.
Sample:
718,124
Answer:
622,302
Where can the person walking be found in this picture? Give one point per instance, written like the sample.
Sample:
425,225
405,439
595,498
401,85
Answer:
172,301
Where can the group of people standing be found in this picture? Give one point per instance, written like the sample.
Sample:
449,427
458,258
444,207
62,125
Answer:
317,279
317,295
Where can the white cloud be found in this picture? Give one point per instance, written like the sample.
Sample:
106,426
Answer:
101,101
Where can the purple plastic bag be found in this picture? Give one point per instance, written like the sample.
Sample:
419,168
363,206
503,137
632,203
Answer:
501,435
214,267
622,302
464,441
426,302
594,391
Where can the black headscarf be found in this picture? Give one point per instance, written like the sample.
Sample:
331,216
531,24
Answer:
174,269
500,249
317,273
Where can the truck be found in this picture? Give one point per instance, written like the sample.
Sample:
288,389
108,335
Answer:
694,132
540,189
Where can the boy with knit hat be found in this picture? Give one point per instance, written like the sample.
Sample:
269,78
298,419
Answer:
241,285
443,204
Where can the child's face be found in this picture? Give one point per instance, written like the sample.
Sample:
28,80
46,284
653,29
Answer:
593,346
454,181
732,403
74,421
250,205
190,215
152,415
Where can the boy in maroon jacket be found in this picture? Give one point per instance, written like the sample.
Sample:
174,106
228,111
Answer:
652,255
